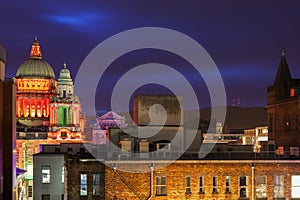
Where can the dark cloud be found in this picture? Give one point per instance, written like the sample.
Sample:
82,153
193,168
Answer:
244,38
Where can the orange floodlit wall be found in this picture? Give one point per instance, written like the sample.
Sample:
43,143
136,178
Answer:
37,85
32,106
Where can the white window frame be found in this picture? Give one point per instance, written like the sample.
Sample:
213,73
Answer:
46,174
83,184
261,186
278,186
96,184
243,187
295,184
227,184
188,184
161,185
215,184
201,184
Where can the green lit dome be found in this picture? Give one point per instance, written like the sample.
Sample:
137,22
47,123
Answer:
64,76
35,67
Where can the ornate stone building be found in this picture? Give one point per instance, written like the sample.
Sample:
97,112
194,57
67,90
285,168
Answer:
36,84
47,112
66,120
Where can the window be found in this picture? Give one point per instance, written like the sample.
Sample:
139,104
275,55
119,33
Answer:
29,190
96,184
62,174
64,134
83,184
278,186
215,184
46,174
243,186
188,184
295,186
201,184
161,185
227,181
45,196
64,93
261,186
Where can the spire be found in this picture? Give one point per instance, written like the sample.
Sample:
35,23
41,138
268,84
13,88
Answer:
65,65
35,51
283,72
282,52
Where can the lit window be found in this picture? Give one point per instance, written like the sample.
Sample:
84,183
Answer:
278,186
188,184
201,184
292,92
96,184
83,184
161,185
243,186
261,186
227,180
295,186
46,174
215,184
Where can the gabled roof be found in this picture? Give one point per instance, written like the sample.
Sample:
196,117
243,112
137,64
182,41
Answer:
283,72
111,115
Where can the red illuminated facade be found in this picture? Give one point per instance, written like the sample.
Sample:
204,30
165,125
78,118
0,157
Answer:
47,112
36,84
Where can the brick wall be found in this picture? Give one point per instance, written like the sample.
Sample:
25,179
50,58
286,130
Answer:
176,176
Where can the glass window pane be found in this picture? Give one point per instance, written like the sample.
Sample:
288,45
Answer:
83,184
188,181
242,180
295,186
96,184
46,174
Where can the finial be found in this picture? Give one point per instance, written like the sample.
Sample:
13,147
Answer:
282,52
35,51
65,65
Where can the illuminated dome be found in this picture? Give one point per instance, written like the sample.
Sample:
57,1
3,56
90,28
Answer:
35,66
65,76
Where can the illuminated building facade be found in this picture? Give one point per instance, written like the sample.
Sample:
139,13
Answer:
38,93
36,84
66,121
284,111
108,127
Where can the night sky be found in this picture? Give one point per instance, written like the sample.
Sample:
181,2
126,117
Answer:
244,38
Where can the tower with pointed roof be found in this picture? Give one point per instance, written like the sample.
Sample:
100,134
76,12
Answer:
66,120
283,109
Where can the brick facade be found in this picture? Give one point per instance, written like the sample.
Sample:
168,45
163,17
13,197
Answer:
176,179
